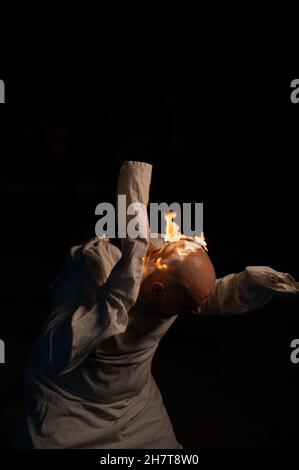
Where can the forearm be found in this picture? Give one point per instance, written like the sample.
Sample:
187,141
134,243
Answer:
248,290
76,329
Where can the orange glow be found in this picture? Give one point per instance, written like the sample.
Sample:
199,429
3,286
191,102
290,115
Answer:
182,250
172,229
173,234
159,265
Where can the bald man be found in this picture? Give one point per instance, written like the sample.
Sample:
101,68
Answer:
178,278
89,382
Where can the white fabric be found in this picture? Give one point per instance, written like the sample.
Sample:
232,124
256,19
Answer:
248,290
89,381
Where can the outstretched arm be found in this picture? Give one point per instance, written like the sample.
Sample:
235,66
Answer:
248,290
74,331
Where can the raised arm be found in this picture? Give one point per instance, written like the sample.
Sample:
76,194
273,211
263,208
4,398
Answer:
74,331
248,290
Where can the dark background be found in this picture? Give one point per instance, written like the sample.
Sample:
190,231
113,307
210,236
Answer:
230,140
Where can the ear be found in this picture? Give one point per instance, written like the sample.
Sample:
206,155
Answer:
158,290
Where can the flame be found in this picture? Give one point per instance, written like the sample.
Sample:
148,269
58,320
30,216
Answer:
159,265
172,234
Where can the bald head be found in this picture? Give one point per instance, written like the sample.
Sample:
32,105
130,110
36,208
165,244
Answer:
179,277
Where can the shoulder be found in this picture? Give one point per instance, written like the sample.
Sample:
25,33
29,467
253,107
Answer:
98,257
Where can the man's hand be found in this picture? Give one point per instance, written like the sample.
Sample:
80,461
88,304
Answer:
249,290
275,281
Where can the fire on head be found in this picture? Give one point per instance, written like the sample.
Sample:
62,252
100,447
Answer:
179,276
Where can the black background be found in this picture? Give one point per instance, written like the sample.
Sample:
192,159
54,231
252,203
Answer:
228,139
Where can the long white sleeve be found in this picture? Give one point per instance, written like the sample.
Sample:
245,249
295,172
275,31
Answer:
80,322
248,290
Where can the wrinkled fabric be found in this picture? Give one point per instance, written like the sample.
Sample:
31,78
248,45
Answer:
248,290
89,381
